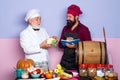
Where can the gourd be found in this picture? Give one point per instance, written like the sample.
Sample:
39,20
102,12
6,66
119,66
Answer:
24,63
51,41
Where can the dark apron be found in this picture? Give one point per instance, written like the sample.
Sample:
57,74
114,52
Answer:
68,60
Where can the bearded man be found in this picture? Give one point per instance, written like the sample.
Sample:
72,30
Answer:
33,39
73,30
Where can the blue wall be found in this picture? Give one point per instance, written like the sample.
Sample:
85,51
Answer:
96,14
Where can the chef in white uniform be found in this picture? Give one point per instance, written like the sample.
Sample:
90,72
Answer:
33,39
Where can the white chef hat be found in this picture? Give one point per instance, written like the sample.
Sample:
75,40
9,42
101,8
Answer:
32,13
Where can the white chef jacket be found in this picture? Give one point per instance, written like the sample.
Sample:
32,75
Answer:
30,41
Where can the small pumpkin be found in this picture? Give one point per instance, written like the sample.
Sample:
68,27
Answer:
24,63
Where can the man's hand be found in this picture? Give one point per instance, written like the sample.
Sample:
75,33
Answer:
71,45
44,44
55,37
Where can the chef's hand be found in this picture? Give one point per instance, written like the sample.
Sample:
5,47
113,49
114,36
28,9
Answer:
71,45
55,37
44,44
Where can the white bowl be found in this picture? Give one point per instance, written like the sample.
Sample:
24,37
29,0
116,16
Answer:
75,74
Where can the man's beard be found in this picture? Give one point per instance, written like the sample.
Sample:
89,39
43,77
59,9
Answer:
70,23
35,25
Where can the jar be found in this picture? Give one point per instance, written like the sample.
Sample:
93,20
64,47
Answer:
25,75
108,70
83,70
18,72
115,76
110,76
42,65
45,66
100,70
54,74
91,70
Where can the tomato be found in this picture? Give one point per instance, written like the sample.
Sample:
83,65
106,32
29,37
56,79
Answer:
38,71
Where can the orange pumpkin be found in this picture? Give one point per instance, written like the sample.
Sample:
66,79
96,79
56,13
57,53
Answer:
48,75
24,63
